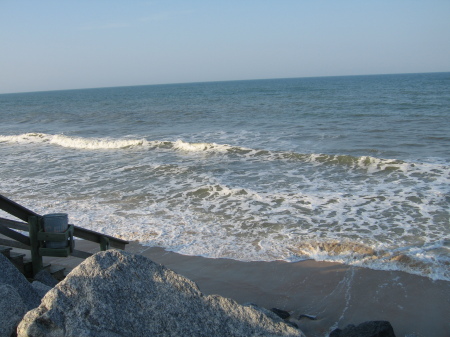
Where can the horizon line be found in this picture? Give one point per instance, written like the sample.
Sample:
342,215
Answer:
219,81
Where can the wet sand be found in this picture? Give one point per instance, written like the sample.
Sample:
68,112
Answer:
336,294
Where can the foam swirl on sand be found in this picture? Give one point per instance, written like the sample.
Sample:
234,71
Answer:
357,254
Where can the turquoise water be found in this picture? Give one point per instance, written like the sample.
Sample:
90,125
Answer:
350,169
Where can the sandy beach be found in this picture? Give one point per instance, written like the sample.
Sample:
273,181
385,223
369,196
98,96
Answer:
335,294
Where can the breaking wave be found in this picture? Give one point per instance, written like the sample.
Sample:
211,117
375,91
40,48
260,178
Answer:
371,164
73,142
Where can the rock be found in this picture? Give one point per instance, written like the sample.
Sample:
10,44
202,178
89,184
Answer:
115,293
268,313
281,313
40,288
11,275
12,309
46,278
275,314
335,333
292,324
366,329
311,317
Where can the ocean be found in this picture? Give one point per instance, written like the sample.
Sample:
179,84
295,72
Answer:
349,169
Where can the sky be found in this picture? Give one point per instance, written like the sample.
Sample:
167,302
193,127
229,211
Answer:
57,45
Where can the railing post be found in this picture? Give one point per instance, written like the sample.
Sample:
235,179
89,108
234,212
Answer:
104,243
36,258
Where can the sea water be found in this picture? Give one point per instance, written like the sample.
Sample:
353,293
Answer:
348,169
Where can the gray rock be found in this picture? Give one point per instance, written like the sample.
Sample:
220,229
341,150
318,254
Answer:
41,288
12,309
12,276
268,313
115,293
311,317
46,278
335,333
282,313
366,329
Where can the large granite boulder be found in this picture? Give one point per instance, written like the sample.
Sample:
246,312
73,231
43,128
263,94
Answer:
41,288
12,309
115,293
11,275
366,329
46,278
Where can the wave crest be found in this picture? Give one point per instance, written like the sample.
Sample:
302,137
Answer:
74,142
371,164
200,147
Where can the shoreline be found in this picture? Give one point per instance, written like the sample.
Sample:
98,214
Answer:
336,294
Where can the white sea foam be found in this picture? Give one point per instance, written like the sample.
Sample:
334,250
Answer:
371,164
201,147
242,203
109,143
415,260
74,142
235,223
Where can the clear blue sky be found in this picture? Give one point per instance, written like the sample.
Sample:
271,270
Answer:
51,45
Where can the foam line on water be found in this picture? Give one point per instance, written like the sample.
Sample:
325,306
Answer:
74,142
371,164
200,147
